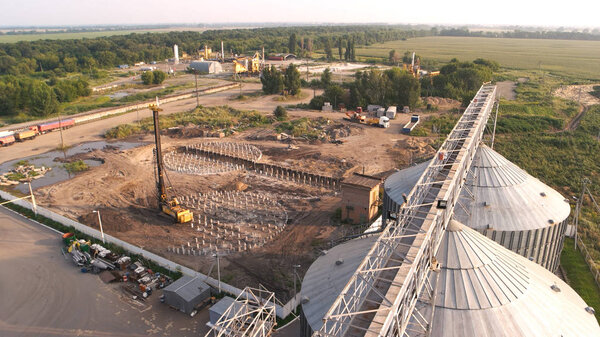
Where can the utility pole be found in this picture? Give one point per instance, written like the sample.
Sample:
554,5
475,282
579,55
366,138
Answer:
218,270
196,79
32,198
100,222
296,266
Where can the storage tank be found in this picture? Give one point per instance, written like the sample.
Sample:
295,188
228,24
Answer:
501,201
483,289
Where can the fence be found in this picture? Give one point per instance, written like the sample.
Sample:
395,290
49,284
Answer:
281,310
589,261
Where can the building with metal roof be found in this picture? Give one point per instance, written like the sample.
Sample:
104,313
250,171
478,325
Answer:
360,198
186,293
206,67
326,278
486,290
483,289
501,201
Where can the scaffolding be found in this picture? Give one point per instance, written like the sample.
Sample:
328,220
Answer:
380,297
252,314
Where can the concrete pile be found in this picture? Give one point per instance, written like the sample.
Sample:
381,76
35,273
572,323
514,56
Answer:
231,221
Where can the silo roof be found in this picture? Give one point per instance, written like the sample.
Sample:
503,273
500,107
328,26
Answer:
505,197
403,181
325,278
484,289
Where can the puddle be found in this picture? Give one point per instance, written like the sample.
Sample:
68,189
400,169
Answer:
58,172
119,94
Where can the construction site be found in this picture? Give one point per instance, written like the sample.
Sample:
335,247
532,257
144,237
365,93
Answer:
371,231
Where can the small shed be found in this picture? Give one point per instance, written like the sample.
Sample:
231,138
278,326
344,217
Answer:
186,293
360,198
206,67
218,309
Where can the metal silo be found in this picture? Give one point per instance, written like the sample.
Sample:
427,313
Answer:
503,202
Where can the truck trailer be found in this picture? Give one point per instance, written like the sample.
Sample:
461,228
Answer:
408,127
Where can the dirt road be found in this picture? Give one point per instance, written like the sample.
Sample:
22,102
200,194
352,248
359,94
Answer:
95,130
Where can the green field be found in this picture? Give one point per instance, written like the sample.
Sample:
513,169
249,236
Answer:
575,59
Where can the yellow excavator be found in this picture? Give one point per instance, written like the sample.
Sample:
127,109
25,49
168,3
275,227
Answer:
166,205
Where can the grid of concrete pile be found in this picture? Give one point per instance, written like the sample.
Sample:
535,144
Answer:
191,163
231,221
267,169
190,159
237,150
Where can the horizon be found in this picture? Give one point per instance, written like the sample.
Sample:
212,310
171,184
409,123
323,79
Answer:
75,13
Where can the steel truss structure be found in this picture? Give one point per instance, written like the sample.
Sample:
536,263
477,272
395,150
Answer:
251,315
381,296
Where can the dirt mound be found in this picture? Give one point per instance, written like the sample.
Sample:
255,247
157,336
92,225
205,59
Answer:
442,103
578,93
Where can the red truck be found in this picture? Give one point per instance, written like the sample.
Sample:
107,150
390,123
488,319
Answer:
51,126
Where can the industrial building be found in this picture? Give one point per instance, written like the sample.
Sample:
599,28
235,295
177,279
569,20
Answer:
501,201
360,198
186,293
206,67
483,289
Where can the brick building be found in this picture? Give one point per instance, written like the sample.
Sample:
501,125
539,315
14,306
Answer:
360,198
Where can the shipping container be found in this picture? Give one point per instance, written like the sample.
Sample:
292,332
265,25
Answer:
24,135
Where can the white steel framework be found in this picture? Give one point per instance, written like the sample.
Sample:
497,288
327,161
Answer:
251,315
380,298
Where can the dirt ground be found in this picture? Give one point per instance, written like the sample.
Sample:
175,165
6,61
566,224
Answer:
123,189
578,93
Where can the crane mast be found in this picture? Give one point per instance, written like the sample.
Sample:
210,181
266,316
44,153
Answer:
170,207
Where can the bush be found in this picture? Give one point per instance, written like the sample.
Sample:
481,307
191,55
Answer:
317,102
280,113
76,166
158,76
148,77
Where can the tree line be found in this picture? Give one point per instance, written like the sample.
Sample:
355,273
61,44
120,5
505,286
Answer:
523,34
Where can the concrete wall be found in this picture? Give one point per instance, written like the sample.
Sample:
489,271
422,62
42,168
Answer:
282,311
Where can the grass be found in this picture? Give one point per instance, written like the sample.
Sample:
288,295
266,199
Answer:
574,59
579,276
303,127
213,118
76,166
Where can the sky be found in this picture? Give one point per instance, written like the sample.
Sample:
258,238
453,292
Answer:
577,13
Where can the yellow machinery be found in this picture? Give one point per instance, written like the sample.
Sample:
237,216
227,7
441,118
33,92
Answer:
247,65
166,205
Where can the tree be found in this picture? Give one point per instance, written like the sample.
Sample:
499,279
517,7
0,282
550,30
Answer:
394,57
292,80
42,100
326,77
340,51
328,50
158,76
334,93
272,80
292,43
348,51
280,113
148,77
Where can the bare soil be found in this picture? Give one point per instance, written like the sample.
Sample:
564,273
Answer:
124,191
578,93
